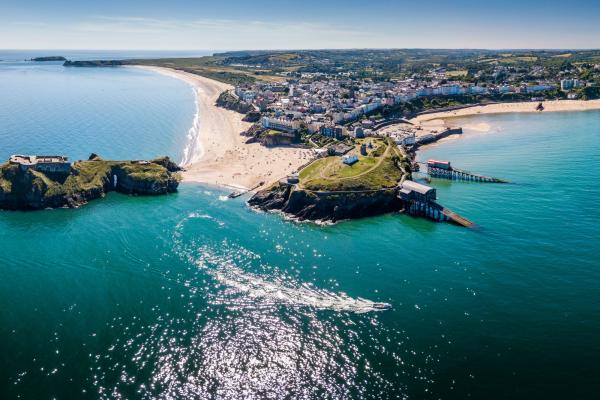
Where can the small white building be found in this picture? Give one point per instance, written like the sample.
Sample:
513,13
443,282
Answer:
43,163
350,159
567,84
407,139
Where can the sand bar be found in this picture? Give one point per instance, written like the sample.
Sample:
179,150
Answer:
217,154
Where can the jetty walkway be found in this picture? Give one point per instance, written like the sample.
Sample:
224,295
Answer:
443,169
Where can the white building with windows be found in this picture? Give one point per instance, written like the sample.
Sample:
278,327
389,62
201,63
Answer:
350,159
280,124
567,84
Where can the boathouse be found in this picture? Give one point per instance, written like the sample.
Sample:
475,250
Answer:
411,191
439,164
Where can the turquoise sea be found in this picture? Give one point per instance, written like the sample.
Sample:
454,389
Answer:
195,296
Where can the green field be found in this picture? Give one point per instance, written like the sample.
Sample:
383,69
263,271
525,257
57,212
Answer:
381,168
245,67
457,73
213,68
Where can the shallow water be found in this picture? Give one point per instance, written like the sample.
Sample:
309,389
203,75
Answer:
190,295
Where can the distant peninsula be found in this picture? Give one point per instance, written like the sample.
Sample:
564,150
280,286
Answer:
40,182
51,58
94,63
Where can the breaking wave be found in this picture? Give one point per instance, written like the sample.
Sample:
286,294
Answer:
193,150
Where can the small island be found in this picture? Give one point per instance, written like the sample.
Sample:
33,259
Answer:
50,58
38,182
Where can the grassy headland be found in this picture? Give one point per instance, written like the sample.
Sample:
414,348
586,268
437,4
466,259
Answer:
382,167
31,189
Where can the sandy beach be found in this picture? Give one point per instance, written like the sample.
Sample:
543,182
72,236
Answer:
436,122
441,118
217,154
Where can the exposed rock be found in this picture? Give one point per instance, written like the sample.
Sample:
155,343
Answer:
168,164
326,206
252,116
231,102
254,131
28,189
276,139
131,183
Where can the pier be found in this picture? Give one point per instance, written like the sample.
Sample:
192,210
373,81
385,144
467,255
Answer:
443,169
436,212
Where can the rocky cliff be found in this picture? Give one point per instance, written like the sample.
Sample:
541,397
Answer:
231,102
28,189
325,206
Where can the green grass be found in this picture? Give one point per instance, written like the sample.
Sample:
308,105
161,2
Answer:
146,172
386,175
457,73
211,67
375,171
6,171
348,171
84,176
273,132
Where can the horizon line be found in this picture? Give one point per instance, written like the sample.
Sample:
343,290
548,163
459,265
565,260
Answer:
321,48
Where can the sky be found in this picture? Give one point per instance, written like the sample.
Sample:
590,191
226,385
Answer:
300,24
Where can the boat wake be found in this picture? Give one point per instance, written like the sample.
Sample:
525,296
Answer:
281,290
227,263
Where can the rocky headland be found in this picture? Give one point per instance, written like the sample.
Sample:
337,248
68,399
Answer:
308,205
24,188
330,189
230,101
94,63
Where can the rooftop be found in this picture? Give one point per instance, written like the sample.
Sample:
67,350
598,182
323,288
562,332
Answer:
416,187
